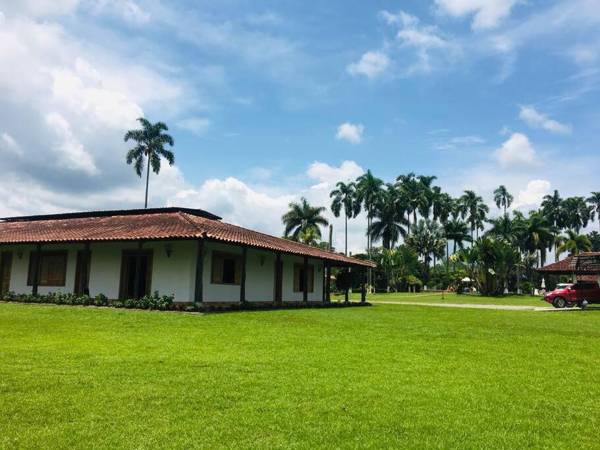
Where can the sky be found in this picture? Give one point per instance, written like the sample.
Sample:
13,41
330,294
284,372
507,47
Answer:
269,101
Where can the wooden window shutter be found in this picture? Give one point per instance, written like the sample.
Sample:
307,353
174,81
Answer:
238,270
217,268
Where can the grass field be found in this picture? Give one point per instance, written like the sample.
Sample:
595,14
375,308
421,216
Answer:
438,297
383,376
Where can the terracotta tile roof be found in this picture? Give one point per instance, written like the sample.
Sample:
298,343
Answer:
156,224
584,263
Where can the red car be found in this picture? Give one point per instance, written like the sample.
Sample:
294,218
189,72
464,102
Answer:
574,295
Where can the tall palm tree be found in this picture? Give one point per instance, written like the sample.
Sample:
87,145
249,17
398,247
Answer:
594,201
503,198
574,243
427,238
553,211
537,235
442,205
344,197
457,231
150,147
389,219
411,192
427,194
368,190
303,217
577,213
474,210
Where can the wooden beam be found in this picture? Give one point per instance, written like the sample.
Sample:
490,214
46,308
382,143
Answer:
363,288
243,280
87,272
199,285
277,298
138,274
347,291
36,269
328,283
305,283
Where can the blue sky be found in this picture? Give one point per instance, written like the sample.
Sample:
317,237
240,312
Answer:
272,100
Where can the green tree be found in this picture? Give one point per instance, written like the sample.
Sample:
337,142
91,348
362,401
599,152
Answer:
577,213
149,150
345,198
388,219
594,238
368,191
302,218
574,243
503,198
553,211
457,231
594,201
474,210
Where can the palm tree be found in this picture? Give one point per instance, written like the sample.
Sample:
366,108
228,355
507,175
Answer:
410,190
389,219
594,202
457,231
552,209
303,217
427,193
537,235
151,143
368,190
577,213
574,243
474,209
594,238
427,238
503,198
344,197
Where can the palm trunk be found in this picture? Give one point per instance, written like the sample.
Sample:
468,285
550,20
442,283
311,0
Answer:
147,182
346,238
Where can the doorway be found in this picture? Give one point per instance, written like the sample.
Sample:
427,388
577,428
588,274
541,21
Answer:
136,274
82,273
5,270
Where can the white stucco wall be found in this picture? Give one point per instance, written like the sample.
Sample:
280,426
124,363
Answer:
171,275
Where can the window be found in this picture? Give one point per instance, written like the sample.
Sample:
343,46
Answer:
299,278
52,270
226,268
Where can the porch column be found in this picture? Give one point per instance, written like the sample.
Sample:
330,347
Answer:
328,283
347,290
137,277
305,281
243,280
363,290
277,295
36,269
199,285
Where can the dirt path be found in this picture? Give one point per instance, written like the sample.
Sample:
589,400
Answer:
476,306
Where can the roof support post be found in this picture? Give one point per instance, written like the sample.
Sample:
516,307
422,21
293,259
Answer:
327,282
37,256
363,289
86,273
305,280
277,298
243,280
138,272
347,289
199,285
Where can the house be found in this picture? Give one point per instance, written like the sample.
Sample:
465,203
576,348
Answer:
582,267
188,253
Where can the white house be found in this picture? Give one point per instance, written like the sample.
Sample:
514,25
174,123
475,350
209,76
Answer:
189,253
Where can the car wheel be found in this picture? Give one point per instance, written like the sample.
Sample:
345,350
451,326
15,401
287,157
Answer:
559,302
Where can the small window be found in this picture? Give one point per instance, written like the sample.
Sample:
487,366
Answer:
52,269
299,278
226,268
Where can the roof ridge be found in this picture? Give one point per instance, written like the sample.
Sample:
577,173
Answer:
185,217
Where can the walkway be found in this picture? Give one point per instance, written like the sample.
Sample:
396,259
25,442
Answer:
476,306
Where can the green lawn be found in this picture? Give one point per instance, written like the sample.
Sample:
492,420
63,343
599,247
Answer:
384,376
437,297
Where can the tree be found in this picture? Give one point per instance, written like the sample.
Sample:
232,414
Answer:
457,231
594,201
474,210
345,197
389,219
553,211
302,218
150,147
577,213
574,243
368,190
537,235
503,198
427,240
594,238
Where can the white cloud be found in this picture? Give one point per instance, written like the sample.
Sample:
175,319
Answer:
517,151
371,64
128,10
324,173
533,194
9,145
350,132
487,13
460,141
535,119
196,125
38,8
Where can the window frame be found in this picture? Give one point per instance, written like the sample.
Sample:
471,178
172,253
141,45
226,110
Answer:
298,268
237,270
45,254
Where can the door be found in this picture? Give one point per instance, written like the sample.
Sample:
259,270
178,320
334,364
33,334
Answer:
278,281
136,274
5,270
82,273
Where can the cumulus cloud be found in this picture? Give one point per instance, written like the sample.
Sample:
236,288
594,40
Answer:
516,151
350,132
324,173
486,13
533,194
196,125
371,64
536,119
9,145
